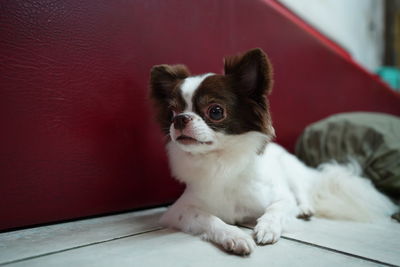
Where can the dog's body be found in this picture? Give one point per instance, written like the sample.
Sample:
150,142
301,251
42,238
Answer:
220,131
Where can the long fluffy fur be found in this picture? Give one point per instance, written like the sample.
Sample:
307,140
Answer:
341,193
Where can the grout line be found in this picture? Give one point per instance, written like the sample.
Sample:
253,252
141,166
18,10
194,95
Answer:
78,247
83,218
340,252
332,250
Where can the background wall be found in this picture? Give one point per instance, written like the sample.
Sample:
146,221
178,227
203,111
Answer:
356,25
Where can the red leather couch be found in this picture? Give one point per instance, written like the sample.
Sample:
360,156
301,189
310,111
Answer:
77,137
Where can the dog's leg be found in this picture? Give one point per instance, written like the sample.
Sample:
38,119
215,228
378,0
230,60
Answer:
300,179
269,226
192,220
306,209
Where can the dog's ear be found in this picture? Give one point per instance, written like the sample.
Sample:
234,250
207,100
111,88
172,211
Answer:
251,71
164,78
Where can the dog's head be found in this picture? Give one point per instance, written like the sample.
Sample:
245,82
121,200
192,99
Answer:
199,112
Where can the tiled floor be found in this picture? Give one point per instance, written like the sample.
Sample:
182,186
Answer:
136,239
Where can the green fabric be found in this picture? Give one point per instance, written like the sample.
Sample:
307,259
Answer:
373,139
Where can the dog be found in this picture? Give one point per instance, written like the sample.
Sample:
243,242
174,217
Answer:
220,146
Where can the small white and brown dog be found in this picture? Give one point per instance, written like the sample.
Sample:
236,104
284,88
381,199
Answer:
219,144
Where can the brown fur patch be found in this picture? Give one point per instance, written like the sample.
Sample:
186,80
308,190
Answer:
165,81
242,92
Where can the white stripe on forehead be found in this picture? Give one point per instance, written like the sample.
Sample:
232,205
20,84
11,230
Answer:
189,86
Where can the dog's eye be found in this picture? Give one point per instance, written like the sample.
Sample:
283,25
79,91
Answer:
216,113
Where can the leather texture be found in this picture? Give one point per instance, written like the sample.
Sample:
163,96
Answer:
77,135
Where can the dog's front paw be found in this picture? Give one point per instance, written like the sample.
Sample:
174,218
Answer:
236,241
267,233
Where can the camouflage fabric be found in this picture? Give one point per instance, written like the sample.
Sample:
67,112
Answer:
373,139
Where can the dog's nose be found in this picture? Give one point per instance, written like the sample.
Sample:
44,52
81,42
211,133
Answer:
181,120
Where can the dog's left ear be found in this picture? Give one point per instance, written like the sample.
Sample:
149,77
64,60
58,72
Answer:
251,71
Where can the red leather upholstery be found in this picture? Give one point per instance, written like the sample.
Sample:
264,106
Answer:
77,138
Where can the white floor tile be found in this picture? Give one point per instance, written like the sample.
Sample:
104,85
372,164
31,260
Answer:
378,241
128,239
173,249
41,240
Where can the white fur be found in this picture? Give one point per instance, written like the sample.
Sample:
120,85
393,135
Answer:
196,128
340,193
189,86
228,182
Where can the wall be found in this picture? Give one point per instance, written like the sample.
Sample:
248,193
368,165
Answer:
356,25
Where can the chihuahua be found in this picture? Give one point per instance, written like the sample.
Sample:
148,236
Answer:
219,145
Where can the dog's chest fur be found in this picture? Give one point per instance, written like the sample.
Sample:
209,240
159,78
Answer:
230,183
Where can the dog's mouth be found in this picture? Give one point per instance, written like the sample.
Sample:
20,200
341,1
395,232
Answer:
187,140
